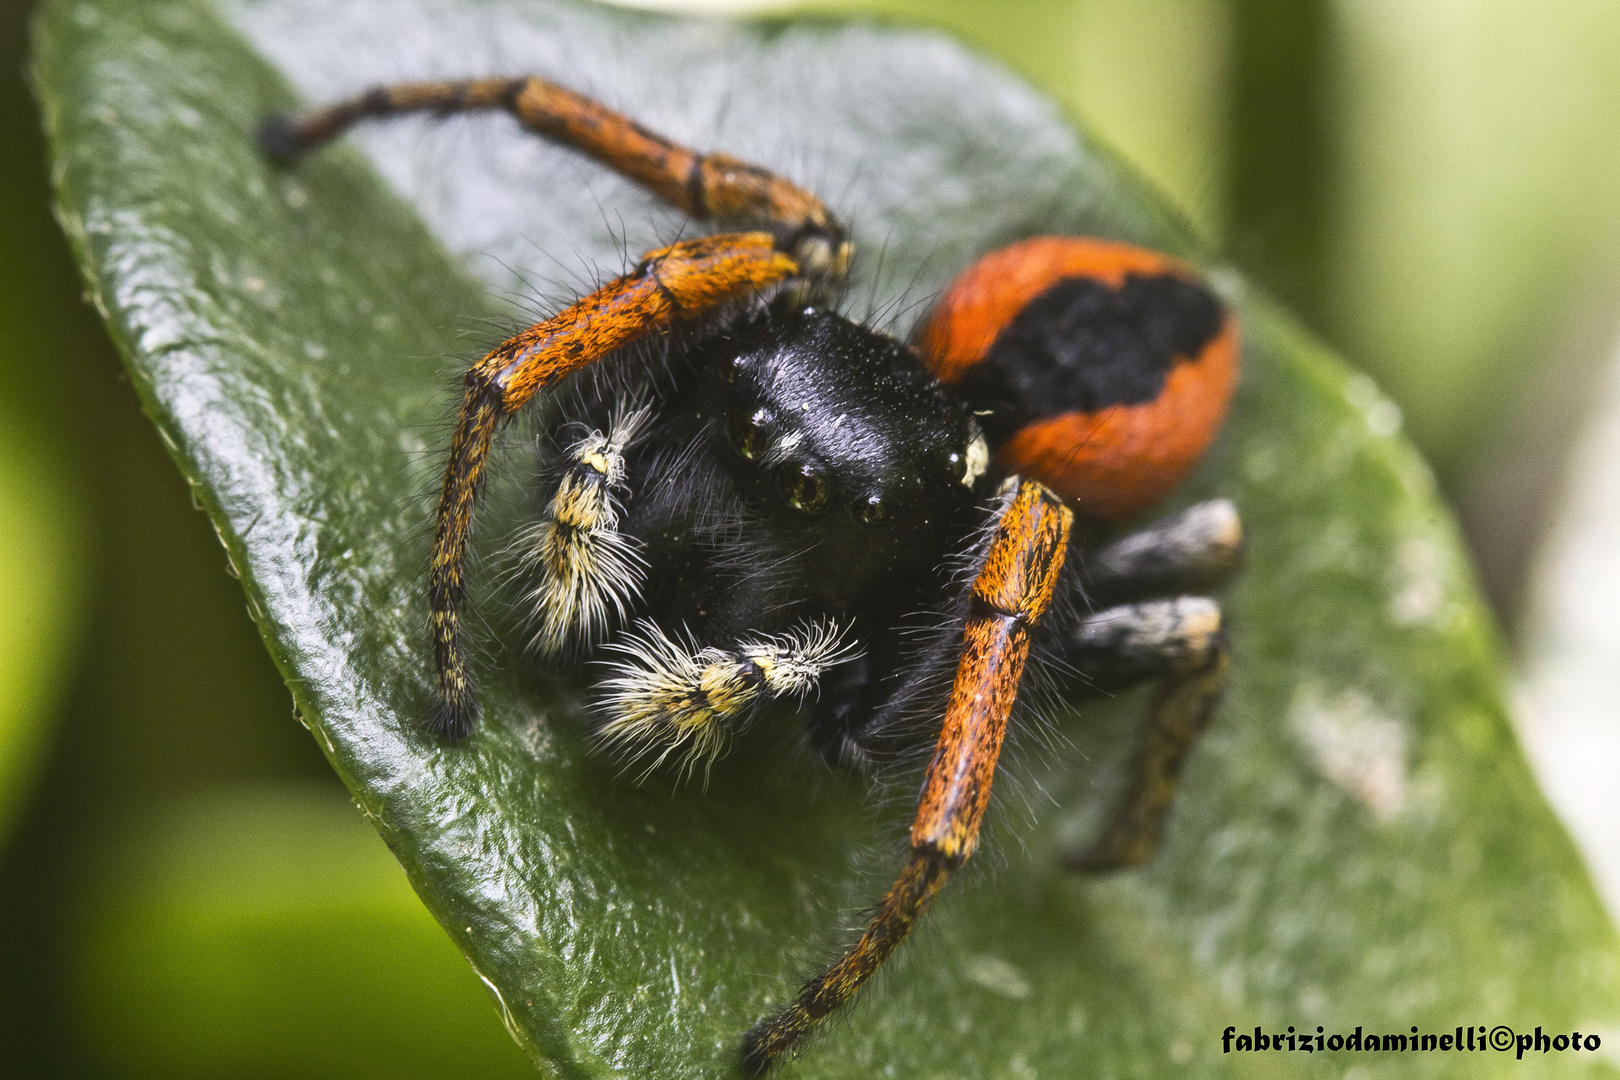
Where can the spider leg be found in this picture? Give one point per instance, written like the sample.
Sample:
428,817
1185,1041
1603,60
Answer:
584,566
676,697
1181,641
1194,550
705,186
1011,593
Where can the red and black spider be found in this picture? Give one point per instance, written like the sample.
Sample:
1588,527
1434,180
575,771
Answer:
779,500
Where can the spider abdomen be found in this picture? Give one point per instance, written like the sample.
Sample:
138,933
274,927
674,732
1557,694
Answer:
1102,370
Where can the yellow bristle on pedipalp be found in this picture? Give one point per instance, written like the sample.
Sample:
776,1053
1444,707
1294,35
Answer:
672,698
586,571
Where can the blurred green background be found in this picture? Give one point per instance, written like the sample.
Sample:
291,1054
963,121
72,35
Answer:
185,889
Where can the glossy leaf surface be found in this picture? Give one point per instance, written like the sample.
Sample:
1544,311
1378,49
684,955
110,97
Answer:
1358,841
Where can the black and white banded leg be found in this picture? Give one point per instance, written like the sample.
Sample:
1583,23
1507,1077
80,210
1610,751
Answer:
1179,641
583,568
1182,643
1189,552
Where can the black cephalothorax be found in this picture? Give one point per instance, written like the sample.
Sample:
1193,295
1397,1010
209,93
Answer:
792,506
802,471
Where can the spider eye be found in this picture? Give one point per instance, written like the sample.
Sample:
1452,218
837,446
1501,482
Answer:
802,488
871,511
746,430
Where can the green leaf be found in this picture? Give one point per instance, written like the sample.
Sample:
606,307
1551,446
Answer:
1358,842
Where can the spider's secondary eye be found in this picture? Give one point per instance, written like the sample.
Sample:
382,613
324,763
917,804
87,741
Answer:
870,511
746,430
802,488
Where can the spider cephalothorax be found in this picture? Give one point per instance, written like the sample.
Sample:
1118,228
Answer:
779,501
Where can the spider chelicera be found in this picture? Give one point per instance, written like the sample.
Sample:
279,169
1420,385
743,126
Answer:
779,501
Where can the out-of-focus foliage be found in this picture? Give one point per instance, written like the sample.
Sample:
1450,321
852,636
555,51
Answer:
44,534
43,550
1149,76
1569,701
1476,181
274,902
130,659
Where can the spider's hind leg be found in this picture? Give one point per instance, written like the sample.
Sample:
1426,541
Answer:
1180,641
585,570
1191,551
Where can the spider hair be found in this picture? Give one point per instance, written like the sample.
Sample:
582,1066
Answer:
586,570
674,697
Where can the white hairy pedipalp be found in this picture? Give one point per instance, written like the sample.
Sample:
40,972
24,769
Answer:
584,567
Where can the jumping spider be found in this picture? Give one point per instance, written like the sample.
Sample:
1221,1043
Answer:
780,500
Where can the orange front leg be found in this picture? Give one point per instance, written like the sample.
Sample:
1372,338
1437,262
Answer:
670,286
711,186
1012,592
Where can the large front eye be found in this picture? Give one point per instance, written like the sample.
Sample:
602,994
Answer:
746,429
802,488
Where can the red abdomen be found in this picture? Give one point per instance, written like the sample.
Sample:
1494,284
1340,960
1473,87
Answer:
1100,369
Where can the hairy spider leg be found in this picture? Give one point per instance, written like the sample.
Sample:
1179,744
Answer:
1182,641
670,286
1190,551
1011,593
706,186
